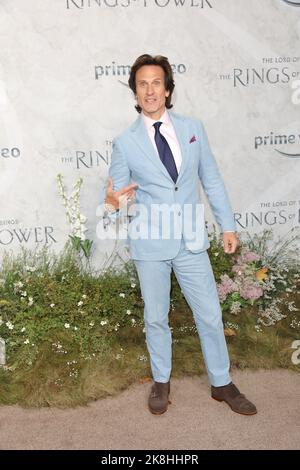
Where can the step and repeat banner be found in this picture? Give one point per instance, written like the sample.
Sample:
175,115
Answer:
64,67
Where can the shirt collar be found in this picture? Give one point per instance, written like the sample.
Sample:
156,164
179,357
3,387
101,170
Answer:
165,119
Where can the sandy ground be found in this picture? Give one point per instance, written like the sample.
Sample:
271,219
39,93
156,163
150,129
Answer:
193,421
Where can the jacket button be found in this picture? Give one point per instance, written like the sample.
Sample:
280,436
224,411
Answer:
176,188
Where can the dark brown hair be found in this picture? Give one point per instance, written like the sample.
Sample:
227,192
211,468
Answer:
161,61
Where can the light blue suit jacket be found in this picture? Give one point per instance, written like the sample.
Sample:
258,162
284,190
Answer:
135,159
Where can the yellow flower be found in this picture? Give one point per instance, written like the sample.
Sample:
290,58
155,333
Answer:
261,274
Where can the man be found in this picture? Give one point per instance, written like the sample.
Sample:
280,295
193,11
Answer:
160,160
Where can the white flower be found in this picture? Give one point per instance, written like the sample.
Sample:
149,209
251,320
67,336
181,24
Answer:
84,296
133,285
232,326
77,224
122,295
71,203
30,268
103,322
142,358
271,314
128,312
216,254
9,325
133,321
92,323
18,284
26,341
75,328
30,301
23,329
118,356
24,293
80,303
294,323
291,306
52,305
67,325
235,307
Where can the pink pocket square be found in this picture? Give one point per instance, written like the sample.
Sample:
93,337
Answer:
193,139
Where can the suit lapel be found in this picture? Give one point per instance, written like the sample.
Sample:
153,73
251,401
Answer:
182,133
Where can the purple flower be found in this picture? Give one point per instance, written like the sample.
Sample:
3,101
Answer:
238,269
248,257
251,292
226,286
193,139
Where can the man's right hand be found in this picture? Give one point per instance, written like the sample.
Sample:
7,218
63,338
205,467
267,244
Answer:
119,198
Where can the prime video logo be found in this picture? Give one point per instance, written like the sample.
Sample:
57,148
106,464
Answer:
119,70
293,3
277,139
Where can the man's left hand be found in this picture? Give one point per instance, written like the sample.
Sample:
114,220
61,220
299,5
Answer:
231,242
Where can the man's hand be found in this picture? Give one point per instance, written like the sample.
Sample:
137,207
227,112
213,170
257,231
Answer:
231,242
119,198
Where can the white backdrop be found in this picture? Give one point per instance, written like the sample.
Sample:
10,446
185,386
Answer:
63,97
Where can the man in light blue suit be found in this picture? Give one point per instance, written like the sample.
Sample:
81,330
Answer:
160,160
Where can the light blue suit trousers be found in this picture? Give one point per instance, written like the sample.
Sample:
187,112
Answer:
196,279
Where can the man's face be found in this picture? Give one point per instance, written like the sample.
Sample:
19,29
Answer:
150,90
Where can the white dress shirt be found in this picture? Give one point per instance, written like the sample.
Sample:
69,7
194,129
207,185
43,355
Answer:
168,131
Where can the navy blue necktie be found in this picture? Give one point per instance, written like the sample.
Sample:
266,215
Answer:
165,152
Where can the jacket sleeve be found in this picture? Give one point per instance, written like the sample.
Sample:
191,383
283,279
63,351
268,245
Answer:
119,170
213,185
120,174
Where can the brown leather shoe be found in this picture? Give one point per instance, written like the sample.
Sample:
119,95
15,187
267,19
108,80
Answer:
159,398
236,400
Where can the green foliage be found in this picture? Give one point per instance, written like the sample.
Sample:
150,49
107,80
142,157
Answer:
221,262
72,336
57,303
